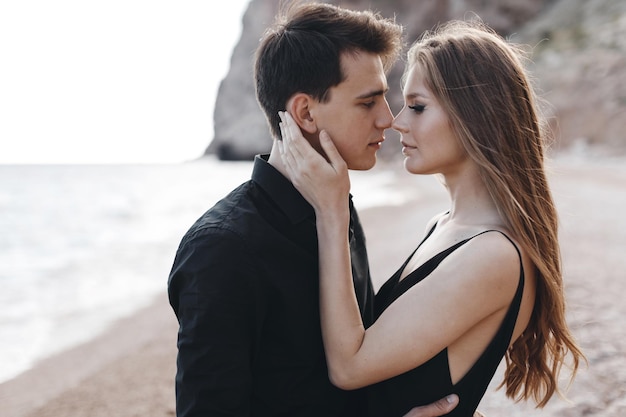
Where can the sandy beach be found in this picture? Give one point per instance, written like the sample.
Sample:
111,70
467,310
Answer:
129,370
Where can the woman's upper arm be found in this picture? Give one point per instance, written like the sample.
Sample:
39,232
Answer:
474,282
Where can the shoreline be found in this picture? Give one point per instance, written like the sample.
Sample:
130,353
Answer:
129,369
62,380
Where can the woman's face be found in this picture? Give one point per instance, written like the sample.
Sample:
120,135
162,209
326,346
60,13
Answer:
428,141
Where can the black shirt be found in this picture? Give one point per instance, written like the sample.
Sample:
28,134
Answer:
244,287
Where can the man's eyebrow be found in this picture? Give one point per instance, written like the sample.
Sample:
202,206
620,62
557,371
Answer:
371,94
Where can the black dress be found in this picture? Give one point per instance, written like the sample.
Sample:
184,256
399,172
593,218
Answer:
431,381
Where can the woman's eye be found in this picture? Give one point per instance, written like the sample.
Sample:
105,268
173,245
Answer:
418,108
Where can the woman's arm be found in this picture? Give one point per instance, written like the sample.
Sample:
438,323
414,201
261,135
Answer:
326,186
427,318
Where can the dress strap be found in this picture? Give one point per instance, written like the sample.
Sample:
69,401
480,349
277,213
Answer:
430,265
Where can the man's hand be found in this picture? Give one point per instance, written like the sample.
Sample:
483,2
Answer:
438,408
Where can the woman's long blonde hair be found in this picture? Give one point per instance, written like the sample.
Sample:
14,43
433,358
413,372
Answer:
480,80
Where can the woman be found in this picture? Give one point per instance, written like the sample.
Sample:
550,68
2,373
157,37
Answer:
485,282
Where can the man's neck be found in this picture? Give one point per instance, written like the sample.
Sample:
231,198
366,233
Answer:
276,161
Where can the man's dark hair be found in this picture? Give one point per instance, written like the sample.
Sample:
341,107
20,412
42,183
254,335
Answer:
301,51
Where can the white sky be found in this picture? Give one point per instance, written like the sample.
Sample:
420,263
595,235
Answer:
111,81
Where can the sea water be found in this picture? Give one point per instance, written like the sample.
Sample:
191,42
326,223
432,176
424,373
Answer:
84,245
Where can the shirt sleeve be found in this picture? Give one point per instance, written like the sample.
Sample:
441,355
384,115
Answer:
211,290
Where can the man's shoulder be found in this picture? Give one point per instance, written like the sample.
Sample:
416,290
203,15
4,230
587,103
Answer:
220,218
231,218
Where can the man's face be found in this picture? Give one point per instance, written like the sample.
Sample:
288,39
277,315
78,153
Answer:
357,113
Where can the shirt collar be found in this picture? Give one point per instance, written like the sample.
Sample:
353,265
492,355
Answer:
281,190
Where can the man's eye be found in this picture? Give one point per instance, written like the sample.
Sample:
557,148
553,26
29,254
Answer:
418,108
369,104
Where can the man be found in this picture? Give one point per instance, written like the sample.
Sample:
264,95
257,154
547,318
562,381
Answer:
244,284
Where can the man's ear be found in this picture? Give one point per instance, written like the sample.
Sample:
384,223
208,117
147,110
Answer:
299,106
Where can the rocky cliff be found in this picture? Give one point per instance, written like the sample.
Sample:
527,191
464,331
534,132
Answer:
579,62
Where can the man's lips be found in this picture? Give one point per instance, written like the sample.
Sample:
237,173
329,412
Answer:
378,142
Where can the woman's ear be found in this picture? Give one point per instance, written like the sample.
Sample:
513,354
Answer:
299,106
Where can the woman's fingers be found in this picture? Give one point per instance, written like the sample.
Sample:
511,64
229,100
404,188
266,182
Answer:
332,153
323,183
282,147
285,146
296,143
300,158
